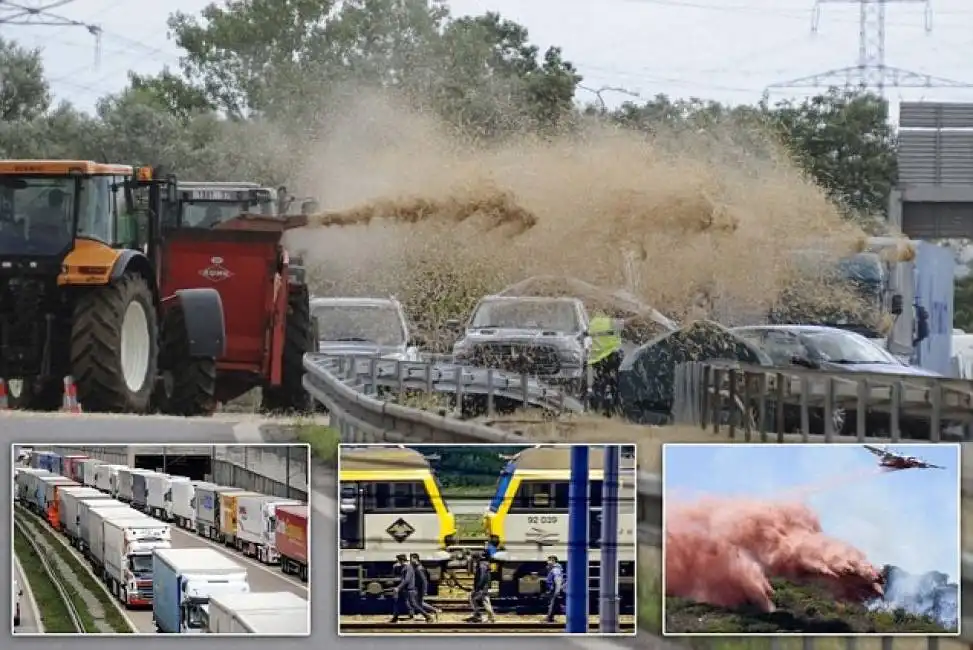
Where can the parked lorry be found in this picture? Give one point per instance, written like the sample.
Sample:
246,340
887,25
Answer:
240,613
157,494
89,468
93,531
71,466
85,508
257,526
48,460
128,556
229,504
291,539
52,486
25,483
208,509
183,511
106,478
122,489
67,506
184,580
140,489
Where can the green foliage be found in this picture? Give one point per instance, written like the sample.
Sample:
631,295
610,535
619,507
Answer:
808,608
459,467
323,440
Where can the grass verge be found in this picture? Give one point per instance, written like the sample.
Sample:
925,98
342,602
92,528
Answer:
87,620
114,618
54,614
323,440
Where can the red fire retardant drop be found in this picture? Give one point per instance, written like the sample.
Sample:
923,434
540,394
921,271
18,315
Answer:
724,551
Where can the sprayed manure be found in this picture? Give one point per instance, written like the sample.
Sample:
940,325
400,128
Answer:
725,551
696,225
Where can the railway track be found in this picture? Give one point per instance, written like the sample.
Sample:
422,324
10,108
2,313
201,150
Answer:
29,534
500,627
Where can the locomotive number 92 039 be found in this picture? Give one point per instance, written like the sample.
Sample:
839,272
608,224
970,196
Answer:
541,520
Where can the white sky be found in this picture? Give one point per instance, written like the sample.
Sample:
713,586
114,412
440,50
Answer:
727,50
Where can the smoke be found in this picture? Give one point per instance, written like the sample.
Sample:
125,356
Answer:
725,551
928,594
716,215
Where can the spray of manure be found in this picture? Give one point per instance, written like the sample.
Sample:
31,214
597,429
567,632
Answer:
724,552
673,217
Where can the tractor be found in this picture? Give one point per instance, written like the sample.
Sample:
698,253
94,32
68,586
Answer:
227,237
81,295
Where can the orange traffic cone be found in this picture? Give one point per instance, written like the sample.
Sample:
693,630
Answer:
4,399
70,403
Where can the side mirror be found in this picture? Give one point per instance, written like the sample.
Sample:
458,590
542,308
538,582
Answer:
896,307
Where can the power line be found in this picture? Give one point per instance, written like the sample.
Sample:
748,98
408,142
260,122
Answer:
39,14
871,72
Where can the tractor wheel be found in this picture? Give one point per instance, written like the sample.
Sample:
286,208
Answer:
188,384
114,346
299,339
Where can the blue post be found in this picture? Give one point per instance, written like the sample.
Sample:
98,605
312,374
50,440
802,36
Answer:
608,592
577,596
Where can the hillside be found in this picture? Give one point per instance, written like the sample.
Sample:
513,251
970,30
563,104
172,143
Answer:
800,609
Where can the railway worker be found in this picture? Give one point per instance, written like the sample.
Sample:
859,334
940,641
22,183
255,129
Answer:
422,586
405,591
480,598
555,587
605,360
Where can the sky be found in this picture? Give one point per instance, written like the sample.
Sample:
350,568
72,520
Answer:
907,518
726,50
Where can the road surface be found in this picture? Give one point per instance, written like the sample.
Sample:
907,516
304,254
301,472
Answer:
30,618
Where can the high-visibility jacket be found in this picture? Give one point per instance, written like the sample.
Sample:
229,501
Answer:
604,339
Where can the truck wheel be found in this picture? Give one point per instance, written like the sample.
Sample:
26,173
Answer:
298,340
114,346
188,384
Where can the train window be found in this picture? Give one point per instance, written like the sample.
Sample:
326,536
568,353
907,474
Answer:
541,495
595,494
409,496
562,499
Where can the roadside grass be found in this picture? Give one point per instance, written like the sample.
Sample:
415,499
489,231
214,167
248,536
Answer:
53,612
324,441
113,617
87,620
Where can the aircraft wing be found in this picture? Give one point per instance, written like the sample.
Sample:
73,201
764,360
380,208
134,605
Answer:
929,466
881,453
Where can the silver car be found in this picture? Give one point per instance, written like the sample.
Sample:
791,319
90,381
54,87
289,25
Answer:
365,326
543,337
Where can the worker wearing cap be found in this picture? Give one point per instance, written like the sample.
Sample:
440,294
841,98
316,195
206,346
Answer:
605,358
405,591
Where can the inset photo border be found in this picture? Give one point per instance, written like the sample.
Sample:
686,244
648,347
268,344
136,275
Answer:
480,539
812,539
146,539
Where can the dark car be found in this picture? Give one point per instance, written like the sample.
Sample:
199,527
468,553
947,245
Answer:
829,348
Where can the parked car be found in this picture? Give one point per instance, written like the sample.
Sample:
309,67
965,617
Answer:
833,349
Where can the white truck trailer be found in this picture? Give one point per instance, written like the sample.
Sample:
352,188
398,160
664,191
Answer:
89,467
128,556
239,613
256,534
85,508
183,504
184,580
69,500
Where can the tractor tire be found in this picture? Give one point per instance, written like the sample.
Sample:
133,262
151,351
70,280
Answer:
290,396
188,386
114,346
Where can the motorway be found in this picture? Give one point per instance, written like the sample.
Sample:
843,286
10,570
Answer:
30,620
95,430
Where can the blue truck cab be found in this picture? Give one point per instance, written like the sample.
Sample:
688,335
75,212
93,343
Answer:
184,579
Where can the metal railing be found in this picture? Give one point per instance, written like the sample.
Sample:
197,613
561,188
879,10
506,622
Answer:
758,399
365,418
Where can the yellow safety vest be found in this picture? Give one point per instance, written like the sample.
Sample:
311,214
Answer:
604,340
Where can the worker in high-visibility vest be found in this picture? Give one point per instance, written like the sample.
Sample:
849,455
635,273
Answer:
605,358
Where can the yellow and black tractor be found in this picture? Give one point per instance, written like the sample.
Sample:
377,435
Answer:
81,252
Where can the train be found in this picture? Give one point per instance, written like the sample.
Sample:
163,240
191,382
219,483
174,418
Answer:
527,521
390,503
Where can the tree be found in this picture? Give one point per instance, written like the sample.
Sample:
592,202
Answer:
24,93
844,141
171,93
963,304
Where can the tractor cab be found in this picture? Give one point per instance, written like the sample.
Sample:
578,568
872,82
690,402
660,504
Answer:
208,205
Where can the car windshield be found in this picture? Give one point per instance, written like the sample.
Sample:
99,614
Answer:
379,324
845,347
36,215
556,315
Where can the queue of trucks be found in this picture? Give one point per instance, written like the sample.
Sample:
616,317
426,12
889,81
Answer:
120,519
